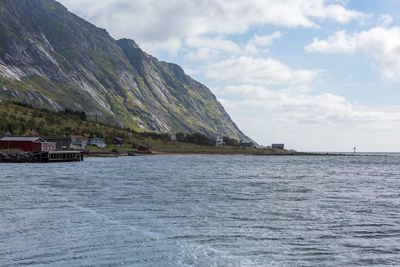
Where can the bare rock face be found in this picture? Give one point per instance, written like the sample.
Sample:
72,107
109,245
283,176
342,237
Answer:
51,58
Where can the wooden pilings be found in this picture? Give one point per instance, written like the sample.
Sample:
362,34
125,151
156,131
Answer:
65,156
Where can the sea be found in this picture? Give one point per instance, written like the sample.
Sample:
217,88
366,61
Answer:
202,211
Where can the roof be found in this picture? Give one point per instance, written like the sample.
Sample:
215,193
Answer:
118,139
145,146
22,139
96,138
58,138
78,143
78,136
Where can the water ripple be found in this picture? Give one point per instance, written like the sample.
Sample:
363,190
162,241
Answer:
202,211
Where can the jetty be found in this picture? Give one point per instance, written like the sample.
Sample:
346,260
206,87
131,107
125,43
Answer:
64,156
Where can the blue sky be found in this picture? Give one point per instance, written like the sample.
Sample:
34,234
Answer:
316,75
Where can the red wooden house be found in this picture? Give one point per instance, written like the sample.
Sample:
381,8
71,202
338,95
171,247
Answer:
143,148
118,142
26,144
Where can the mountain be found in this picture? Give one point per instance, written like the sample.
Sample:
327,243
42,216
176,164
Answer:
50,57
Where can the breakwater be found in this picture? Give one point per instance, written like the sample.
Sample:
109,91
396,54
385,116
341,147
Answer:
17,157
40,157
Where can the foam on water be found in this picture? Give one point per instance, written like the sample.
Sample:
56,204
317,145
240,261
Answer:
202,211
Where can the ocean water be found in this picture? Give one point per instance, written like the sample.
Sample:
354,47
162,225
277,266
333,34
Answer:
202,211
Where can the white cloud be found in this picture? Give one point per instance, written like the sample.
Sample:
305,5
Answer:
265,40
297,106
261,41
259,71
173,46
341,42
153,22
341,14
209,48
385,20
382,44
321,122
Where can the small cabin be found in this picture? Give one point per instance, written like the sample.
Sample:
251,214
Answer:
278,146
219,141
143,148
34,144
118,142
78,142
173,137
99,142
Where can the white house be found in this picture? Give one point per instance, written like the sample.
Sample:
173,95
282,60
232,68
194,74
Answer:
78,142
99,142
219,141
173,137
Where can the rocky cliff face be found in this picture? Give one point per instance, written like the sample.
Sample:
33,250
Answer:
49,57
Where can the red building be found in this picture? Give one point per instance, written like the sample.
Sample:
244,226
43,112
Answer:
143,148
26,144
118,142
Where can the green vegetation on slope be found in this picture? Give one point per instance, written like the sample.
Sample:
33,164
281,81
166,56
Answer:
17,118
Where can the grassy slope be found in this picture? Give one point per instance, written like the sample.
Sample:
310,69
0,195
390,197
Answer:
17,119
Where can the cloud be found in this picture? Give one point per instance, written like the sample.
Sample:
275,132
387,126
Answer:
385,20
152,23
382,44
340,14
211,48
258,71
341,42
261,41
297,106
265,40
311,122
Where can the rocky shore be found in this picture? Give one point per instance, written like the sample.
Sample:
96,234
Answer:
40,156
17,157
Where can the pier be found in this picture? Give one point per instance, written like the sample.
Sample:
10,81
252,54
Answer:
64,156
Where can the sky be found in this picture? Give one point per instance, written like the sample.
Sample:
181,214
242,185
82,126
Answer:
315,75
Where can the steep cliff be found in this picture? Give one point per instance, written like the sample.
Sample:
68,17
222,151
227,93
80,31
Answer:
50,57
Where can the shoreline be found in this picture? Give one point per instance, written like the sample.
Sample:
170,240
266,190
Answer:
248,154
208,153
21,157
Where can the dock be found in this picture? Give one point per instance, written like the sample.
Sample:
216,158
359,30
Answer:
64,156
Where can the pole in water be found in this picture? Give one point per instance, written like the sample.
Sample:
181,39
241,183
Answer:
354,149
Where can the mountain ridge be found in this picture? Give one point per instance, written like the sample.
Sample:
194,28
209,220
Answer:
49,57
